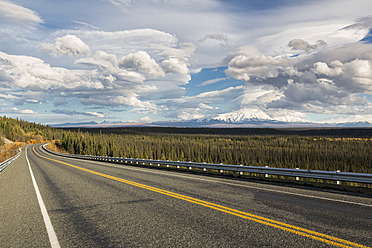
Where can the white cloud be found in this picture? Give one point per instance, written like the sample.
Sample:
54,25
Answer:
224,39
354,76
327,81
144,54
212,81
8,96
310,21
146,119
205,106
248,62
34,77
69,45
24,111
222,95
123,42
298,44
33,73
202,105
125,3
75,113
322,68
174,65
146,70
360,71
260,95
101,55
100,115
141,61
177,58
19,15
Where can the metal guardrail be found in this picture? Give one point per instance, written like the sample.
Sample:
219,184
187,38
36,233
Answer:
6,163
297,173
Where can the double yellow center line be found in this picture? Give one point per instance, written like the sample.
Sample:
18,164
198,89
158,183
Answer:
269,222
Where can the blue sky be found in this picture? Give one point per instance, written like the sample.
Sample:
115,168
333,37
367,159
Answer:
166,60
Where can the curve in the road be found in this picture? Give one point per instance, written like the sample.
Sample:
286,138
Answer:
259,219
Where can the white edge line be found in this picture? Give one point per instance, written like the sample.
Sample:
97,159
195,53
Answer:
234,184
48,224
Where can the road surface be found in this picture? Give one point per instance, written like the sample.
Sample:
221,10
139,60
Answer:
81,203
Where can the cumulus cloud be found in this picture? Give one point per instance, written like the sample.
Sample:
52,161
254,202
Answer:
298,44
146,70
19,15
33,73
248,62
141,61
350,71
177,58
320,96
174,65
322,68
360,71
330,80
23,111
144,64
101,55
36,80
69,45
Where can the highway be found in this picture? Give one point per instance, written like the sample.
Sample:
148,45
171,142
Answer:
81,203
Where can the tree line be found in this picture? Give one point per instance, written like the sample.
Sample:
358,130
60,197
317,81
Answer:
268,148
313,153
23,131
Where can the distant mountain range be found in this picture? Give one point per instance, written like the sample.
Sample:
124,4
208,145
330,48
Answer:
234,119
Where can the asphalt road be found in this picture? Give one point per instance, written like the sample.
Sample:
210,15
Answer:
97,204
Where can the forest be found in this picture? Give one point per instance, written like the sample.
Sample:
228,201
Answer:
270,147
21,133
347,150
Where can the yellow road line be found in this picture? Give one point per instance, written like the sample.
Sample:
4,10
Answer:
269,222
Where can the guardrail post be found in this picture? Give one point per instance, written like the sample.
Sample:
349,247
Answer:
266,175
338,182
297,178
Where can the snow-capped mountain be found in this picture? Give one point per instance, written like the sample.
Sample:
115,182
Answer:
248,115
